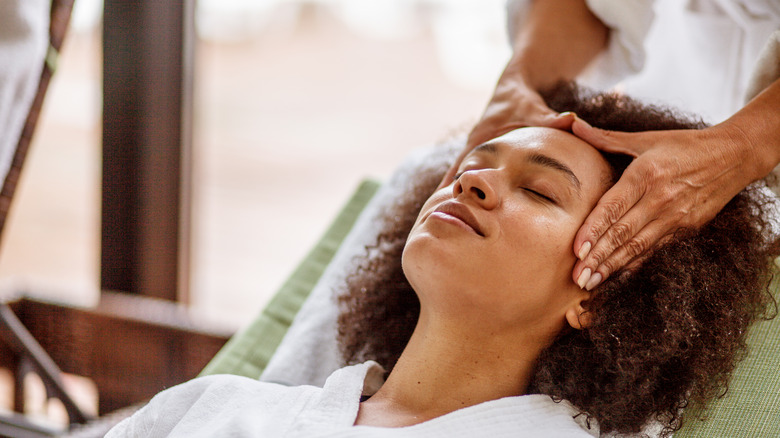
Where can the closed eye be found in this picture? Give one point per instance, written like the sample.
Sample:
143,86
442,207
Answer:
539,195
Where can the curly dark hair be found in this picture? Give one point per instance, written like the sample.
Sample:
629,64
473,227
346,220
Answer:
664,335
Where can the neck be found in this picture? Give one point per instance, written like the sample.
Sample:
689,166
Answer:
446,367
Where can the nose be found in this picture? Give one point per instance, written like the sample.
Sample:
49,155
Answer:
475,184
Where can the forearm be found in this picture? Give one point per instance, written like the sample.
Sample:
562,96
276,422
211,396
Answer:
755,132
556,41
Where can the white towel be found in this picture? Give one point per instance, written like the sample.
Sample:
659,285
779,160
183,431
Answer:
24,39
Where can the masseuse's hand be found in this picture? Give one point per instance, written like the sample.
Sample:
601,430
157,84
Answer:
513,106
678,179
551,42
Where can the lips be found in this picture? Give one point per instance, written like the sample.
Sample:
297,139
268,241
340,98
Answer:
461,212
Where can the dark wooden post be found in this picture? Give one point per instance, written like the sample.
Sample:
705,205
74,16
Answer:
148,50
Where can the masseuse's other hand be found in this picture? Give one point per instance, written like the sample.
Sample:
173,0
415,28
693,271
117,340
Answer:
678,179
513,106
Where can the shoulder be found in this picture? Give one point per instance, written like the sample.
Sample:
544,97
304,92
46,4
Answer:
218,389
204,403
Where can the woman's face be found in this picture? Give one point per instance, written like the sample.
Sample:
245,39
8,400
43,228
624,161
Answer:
497,242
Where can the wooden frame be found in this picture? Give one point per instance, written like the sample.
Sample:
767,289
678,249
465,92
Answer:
148,51
131,346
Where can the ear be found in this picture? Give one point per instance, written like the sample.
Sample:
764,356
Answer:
578,316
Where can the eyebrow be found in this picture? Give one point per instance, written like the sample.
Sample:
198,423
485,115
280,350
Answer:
552,163
540,159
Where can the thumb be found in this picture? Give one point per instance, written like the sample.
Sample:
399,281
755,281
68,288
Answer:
616,142
562,121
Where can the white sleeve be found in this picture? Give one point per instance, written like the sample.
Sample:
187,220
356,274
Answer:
766,72
629,22
767,67
516,12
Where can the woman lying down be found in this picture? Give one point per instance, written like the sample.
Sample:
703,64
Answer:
470,324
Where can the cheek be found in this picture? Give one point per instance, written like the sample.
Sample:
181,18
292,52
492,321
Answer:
446,264
542,244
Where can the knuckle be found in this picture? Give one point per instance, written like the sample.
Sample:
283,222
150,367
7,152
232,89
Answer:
608,267
613,210
619,233
652,171
596,258
636,246
677,218
666,194
681,218
631,250
665,200
607,217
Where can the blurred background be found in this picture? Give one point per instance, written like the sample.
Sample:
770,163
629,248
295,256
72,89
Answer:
295,102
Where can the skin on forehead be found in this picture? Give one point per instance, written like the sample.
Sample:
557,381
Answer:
561,151
536,158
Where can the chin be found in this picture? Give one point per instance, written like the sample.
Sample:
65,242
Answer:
434,268
426,261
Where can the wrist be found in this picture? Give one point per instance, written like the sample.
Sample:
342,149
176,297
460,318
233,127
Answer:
516,74
523,71
756,152
514,85
756,128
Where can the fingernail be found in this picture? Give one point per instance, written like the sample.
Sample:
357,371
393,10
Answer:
584,250
582,280
594,281
565,114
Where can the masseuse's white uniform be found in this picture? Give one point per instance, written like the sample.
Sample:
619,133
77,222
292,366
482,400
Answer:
705,56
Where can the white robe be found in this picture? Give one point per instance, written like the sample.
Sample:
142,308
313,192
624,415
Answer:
704,56
232,406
